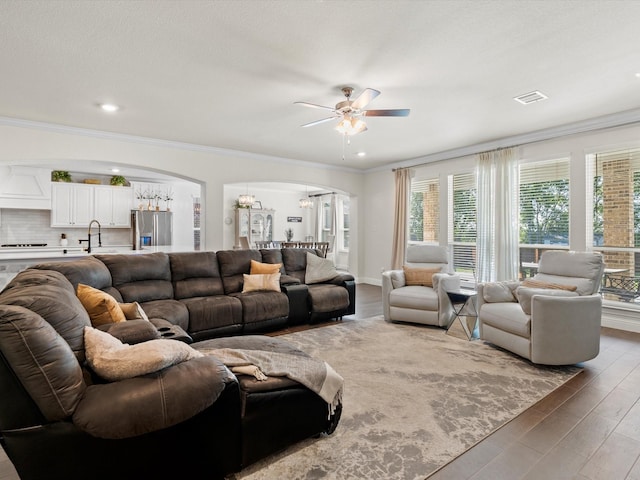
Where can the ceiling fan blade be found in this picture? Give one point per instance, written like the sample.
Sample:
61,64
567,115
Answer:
364,98
313,105
398,112
318,122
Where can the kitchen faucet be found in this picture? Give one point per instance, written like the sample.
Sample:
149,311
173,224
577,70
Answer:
88,239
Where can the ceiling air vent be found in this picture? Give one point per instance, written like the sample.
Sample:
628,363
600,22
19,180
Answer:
531,97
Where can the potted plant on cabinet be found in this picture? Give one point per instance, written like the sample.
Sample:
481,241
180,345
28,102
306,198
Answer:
118,180
60,176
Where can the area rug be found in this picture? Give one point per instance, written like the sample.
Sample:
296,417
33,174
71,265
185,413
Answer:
415,398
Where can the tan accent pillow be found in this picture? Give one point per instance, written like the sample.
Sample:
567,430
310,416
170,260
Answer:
261,281
419,276
101,307
133,311
114,360
530,282
264,268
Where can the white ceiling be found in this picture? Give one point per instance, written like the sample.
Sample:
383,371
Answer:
226,73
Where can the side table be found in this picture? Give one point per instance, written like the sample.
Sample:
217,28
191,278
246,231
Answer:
464,306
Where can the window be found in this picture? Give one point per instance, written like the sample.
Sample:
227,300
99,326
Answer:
544,210
616,218
462,224
424,211
342,221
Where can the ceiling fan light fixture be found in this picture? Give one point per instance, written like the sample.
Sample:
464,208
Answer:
351,126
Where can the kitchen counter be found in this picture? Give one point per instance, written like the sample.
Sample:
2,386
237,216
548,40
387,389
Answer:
59,252
14,260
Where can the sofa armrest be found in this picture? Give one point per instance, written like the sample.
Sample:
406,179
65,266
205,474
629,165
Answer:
148,403
298,303
131,331
390,278
565,330
443,283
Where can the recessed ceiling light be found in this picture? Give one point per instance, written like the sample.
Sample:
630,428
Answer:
638,75
109,107
361,154
531,97
115,170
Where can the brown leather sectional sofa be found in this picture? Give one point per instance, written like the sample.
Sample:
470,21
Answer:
191,420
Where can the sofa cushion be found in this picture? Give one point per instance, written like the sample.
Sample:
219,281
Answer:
140,278
173,311
101,307
415,297
525,294
259,306
328,298
508,317
419,276
319,269
295,262
195,274
497,292
42,361
88,270
233,265
267,281
50,295
113,360
217,311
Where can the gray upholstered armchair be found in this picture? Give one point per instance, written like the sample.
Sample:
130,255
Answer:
552,318
423,302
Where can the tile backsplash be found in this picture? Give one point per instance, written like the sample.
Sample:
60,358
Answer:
34,226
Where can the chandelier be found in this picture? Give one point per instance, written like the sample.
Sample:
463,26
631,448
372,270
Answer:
305,203
245,200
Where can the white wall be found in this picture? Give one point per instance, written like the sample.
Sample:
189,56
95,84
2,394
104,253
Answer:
38,144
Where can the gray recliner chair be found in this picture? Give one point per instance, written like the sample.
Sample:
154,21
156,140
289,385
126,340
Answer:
551,319
425,304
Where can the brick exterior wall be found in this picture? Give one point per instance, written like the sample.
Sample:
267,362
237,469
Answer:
431,213
617,189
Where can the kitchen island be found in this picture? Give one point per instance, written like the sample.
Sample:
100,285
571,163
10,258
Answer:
14,260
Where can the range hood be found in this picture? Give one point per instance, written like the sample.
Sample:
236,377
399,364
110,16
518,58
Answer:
25,187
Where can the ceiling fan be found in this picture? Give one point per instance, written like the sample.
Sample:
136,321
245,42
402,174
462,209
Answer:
350,111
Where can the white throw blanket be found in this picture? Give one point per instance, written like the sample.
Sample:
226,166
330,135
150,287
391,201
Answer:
316,375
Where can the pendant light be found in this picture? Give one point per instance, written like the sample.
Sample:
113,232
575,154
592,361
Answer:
306,202
246,200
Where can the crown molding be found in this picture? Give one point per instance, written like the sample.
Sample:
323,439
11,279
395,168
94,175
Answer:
156,142
619,119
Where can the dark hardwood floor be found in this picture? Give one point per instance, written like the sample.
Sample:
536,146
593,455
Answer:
588,429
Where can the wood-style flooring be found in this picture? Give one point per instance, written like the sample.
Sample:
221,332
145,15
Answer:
588,429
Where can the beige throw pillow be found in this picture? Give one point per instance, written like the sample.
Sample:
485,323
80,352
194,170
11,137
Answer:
113,360
419,276
319,269
525,295
101,307
261,281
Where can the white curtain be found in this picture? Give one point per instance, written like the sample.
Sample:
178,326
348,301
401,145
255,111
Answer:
401,217
497,222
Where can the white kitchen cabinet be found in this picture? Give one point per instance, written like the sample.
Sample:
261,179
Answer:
71,204
113,206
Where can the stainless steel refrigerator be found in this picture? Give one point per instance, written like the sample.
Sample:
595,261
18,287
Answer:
151,228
